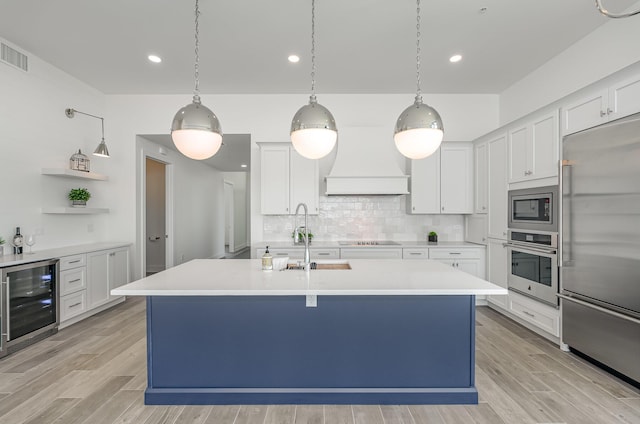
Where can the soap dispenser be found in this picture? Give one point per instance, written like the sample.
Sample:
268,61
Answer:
267,261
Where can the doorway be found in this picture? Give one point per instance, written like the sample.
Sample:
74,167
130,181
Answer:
155,216
229,213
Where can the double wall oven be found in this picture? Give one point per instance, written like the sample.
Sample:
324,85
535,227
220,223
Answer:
28,304
533,243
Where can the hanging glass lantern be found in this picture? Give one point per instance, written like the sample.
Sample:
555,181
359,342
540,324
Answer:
79,162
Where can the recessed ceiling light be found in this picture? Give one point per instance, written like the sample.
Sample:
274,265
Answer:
244,165
455,58
294,58
153,58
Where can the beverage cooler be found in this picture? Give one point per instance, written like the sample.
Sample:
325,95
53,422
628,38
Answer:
28,304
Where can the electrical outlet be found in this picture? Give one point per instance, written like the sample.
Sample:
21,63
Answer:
312,301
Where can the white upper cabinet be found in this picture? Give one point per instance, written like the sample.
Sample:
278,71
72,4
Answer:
534,148
425,185
497,186
481,192
456,184
602,105
443,183
286,179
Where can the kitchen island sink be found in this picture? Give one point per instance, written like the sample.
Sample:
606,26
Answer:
320,265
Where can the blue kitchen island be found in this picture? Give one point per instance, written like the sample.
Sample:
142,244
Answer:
382,332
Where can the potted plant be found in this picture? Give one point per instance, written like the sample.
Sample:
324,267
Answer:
1,246
79,197
301,238
433,237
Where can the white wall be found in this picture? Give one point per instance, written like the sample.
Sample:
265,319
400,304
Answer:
608,49
35,134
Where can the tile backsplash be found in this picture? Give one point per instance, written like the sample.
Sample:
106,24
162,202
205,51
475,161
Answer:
366,218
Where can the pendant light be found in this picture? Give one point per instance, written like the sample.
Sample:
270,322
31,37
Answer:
608,14
419,130
101,150
195,130
313,129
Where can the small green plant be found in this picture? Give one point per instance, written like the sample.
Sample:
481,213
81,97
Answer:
310,234
81,194
433,234
1,241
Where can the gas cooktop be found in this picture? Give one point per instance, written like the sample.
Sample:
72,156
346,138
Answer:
368,243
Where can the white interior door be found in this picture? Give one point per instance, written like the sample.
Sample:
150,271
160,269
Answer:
155,214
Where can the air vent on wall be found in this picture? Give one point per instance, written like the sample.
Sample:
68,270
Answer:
13,57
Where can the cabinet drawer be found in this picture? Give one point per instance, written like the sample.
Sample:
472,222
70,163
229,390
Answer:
415,253
72,305
324,253
68,262
438,253
73,280
542,316
370,253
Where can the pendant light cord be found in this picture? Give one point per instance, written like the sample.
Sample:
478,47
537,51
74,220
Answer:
196,91
313,51
418,91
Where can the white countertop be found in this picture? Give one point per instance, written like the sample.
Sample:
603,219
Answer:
244,277
59,252
320,244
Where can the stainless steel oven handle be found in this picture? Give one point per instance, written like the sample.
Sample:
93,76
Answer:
598,308
526,247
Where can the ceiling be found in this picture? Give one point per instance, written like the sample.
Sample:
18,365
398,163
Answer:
362,46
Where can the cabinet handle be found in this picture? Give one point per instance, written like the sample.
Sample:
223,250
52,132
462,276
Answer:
323,253
74,281
529,314
415,253
455,253
609,111
484,208
413,208
443,208
75,304
112,254
602,113
74,262
282,254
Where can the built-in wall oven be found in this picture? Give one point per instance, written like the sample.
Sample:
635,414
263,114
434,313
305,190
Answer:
534,264
28,304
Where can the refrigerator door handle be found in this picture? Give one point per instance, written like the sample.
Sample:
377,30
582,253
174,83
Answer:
598,308
565,254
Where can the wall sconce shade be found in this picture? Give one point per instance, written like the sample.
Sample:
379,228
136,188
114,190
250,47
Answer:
101,150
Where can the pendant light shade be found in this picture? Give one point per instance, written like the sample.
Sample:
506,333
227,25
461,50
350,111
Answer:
195,130
418,131
313,130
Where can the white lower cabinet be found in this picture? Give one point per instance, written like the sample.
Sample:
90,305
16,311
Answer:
86,281
497,268
540,315
468,259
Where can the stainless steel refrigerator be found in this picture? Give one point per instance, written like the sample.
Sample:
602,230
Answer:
600,264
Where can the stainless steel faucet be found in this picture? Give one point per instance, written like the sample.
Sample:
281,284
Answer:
296,232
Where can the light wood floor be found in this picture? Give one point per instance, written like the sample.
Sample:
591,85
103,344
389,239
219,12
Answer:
94,372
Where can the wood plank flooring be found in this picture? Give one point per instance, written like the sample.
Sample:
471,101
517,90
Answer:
94,372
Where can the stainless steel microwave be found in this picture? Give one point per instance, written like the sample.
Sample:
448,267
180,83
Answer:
534,209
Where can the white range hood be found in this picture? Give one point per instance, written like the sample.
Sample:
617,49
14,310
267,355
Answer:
367,163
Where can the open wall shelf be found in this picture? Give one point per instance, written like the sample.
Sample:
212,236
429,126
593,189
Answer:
74,211
69,173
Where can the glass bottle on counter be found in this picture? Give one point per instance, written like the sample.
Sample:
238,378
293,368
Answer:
17,242
267,261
